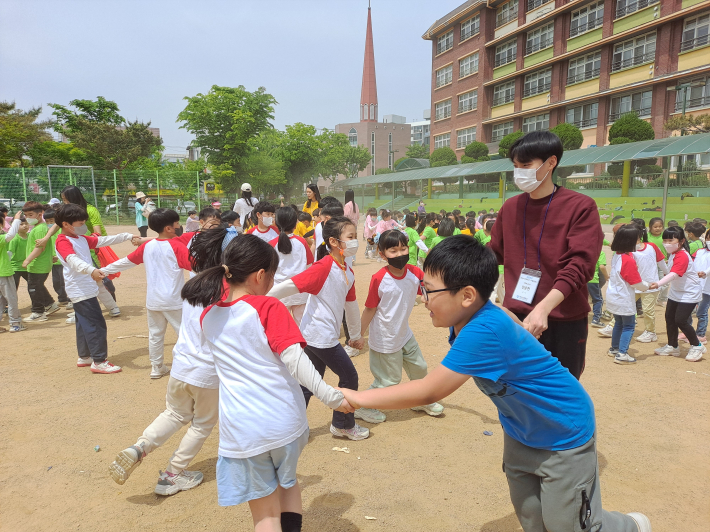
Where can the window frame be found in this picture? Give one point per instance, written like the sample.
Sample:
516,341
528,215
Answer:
536,117
505,14
505,126
471,72
504,48
444,83
440,136
350,136
528,89
641,112
581,29
448,43
463,106
634,60
583,123
542,44
631,6
696,42
464,35
534,4
444,113
467,135
586,74
509,90
697,102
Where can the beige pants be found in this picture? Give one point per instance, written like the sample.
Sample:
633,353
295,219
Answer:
648,304
157,325
387,367
184,403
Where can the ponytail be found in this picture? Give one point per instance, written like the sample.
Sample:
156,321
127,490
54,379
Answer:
333,228
206,249
205,289
322,251
286,221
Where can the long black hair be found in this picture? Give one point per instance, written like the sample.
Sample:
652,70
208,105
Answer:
242,257
350,196
332,228
426,220
73,195
313,188
286,220
246,195
641,224
676,231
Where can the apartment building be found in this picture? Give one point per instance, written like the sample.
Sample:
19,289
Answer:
500,66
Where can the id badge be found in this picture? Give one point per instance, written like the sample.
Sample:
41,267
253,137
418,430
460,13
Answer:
527,285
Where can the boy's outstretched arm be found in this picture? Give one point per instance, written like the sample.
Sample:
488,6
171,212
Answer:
437,385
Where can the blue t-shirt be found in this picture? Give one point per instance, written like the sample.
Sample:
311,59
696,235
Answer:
540,404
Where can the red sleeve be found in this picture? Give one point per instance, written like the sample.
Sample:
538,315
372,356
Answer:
419,274
351,295
373,295
680,263
659,255
185,237
273,243
311,281
309,253
280,328
137,256
64,247
92,241
181,254
629,270
251,231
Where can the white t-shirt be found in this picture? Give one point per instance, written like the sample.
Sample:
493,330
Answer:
702,264
192,358
330,287
261,405
687,288
244,209
620,294
267,236
394,299
292,264
647,260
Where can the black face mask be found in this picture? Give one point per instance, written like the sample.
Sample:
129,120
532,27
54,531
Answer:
398,262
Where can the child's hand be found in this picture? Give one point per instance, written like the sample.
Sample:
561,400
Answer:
653,286
97,275
702,275
345,407
55,259
350,397
136,241
357,344
25,263
42,242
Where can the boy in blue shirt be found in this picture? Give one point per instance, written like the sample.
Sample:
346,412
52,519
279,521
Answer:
549,452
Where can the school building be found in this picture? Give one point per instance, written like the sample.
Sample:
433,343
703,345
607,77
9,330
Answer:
500,66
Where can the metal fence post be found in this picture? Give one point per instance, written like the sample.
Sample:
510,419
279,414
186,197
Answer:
115,195
199,205
666,177
70,180
93,186
24,184
49,180
157,179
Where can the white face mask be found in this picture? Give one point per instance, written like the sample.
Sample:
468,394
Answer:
671,248
639,247
32,221
81,230
239,229
267,220
526,178
350,247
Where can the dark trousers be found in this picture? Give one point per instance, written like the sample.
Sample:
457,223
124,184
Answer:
677,315
567,342
91,330
143,230
345,327
20,275
40,296
58,283
339,363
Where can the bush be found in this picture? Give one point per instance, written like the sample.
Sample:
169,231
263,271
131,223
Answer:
443,157
616,169
649,169
476,150
482,159
570,135
383,171
466,159
507,141
620,140
631,127
399,161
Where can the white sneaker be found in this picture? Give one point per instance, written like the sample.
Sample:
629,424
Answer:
70,306
125,462
667,350
35,316
647,337
17,328
642,522
624,358
606,331
612,352
158,371
51,309
695,353
355,433
351,351
71,319
370,415
169,484
115,311
84,362
433,409
104,367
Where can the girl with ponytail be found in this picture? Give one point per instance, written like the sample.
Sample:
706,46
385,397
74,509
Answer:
259,359
331,285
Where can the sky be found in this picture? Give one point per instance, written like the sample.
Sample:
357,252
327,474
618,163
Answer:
147,55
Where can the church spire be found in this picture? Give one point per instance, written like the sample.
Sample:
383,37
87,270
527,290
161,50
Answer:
368,95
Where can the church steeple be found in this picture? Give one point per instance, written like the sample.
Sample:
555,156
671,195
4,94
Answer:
368,95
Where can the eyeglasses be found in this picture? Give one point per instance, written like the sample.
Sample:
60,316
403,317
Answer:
425,292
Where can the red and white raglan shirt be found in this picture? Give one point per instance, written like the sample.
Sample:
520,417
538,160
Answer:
192,358
268,235
292,264
165,260
702,264
648,260
74,253
685,285
393,297
624,279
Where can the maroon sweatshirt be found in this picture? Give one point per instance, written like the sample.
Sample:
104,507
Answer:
570,247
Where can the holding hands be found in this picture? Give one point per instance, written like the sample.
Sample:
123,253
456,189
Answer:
357,344
345,407
702,275
653,286
97,275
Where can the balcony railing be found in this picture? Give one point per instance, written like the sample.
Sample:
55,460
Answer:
585,123
534,4
440,115
583,76
694,43
470,32
502,20
467,106
644,111
504,60
633,61
539,88
692,103
467,72
633,7
444,80
495,137
531,48
584,28
462,143
441,47
500,100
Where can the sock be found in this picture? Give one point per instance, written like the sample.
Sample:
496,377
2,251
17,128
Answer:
291,522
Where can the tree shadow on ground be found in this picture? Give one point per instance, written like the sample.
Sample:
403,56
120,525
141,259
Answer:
484,417
326,513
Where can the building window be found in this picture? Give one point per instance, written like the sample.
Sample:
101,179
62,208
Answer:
501,130
445,42
583,115
586,19
537,82
468,101
506,13
470,28
372,151
352,136
536,123
534,4
634,52
364,112
390,153
442,110
639,103
504,93
696,96
442,141
464,137
695,32
444,76
540,38
468,65
584,68
626,7
506,53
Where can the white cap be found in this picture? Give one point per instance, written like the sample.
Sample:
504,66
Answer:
140,195
246,187
54,201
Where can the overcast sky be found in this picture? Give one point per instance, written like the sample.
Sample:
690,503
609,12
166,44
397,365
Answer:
146,55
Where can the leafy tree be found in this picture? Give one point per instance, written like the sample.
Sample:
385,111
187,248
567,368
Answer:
507,141
52,152
383,171
399,161
356,160
570,135
20,131
339,157
476,150
689,124
443,156
418,151
465,159
631,127
299,149
101,111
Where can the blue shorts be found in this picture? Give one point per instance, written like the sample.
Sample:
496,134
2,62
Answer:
245,479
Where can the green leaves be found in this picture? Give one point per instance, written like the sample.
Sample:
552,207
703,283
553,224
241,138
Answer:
631,127
19,132
418,151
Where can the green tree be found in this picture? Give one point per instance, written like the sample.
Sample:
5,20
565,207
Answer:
20,131
356,160
476,150
339,157
383,171
507,141
418,151
101,111
299,148
443,156
689,124
570,135
399,161
630,128
52,152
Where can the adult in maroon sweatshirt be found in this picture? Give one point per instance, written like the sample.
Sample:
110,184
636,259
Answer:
569,247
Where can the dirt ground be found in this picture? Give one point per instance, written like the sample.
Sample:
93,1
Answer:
414,473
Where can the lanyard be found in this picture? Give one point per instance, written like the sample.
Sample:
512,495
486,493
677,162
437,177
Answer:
525,248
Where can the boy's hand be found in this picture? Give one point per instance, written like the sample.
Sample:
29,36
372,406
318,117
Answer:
357,344
25,263
136,241
350,397
653,286
345,407
54,259
702,275
97,275
536,322
18,215
42,242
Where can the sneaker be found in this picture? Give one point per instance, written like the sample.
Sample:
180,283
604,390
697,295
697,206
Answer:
370,415
351,351
642,522
606,331
433,409
683,338
612,352
606,315
51,309
70,306
115,311
639,313
667,350
84,362
355,433
104,367
169,484
63,304
624,358
647,337
125,462
597,323
159,370
703,339
695,353
71,319
35,316
17,328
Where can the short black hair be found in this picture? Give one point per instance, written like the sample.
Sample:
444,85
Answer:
537,145
304,217
462,261
70,213
694,228
190,213
332,209
392,238
49,213
229,217
410,220
327,200
3,208
209,212
626,238
159,219
446,227
672,223
264,206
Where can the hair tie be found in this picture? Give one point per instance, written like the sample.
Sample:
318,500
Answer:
226,271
